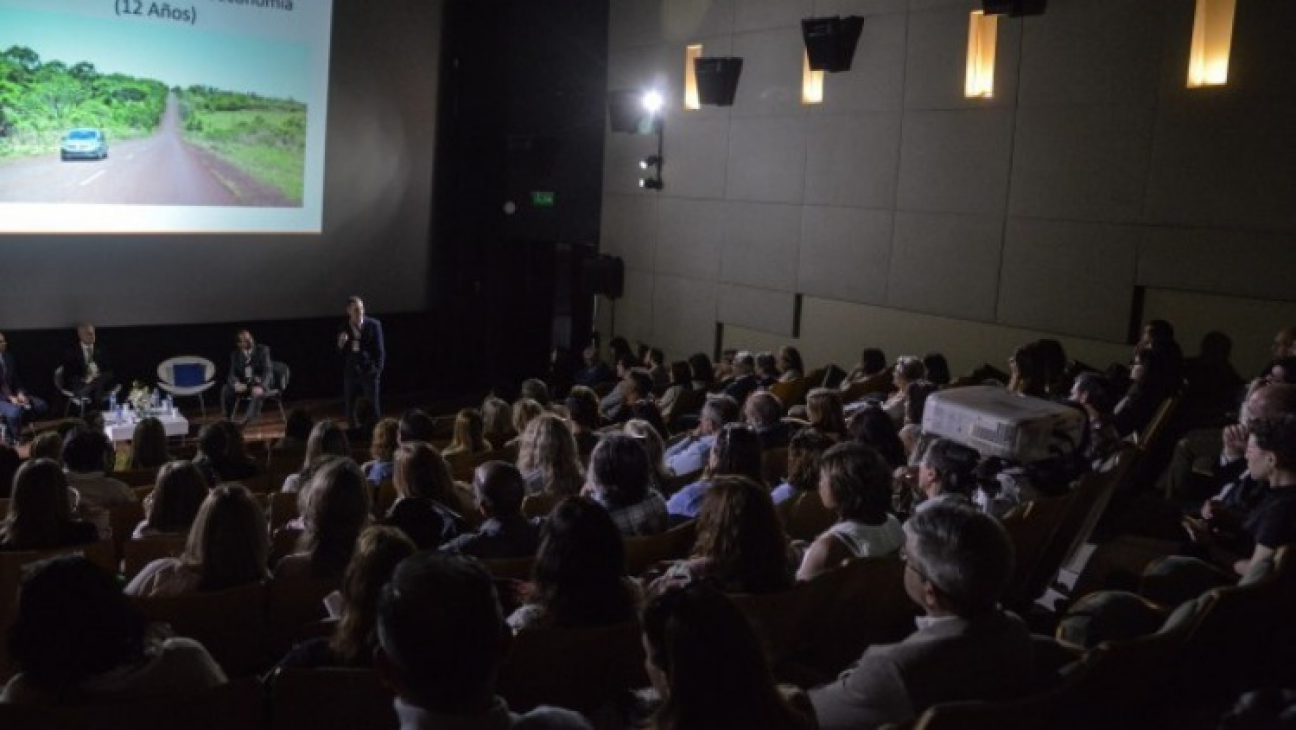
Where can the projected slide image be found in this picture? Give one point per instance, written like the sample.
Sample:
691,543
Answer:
140,112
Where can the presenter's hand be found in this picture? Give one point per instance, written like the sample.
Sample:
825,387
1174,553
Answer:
342,340
240,388
257,391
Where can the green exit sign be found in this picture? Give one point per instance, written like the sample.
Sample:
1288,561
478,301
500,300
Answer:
542,198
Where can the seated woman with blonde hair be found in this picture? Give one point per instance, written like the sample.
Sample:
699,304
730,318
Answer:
469,435
547,458
227,547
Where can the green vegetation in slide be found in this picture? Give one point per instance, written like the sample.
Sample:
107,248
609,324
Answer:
40,101
261,136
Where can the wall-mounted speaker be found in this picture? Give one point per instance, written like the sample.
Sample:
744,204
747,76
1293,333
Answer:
830,42
603,276
1013,8
717,79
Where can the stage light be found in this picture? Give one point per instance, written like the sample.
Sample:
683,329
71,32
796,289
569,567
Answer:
652,101
650,183
650,161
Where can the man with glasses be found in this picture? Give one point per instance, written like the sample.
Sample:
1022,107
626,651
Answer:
16,404
689,454
250,373
958,563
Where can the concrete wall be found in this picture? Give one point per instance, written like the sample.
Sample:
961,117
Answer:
1092,191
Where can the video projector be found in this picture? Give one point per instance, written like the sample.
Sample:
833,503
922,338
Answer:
999,423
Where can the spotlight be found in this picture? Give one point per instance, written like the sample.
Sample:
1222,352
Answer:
650,161
650,183
652,101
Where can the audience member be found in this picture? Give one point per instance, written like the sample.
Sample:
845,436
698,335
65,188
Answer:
426,507
382,451
744,381
764,412
803,464
872,363
908,369
1092,392
654,362
659,476
1027,374
234,464
709,669
766,370
855,482
536,390
638,402
593,371
736,452
171,507
469,436
326,440
334,509
416,425
947,473
611,402
228,546
680,382
547,458
579,573
297,430
911,431
619,477
77,639
497,420
148,448
441,642
504,533
825,413
355,635
790,365
966,648
47,445
741,546
83,460
873,427
690,454
583,419
701,371
40,511
936,369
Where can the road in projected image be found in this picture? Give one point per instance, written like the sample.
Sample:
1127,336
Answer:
159,170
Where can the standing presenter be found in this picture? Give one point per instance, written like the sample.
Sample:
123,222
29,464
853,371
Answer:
360,343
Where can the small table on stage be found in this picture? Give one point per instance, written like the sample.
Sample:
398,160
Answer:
174,425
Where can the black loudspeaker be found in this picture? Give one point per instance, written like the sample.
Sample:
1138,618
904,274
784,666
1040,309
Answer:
1013,8
604,276
717,79
624,111
830,42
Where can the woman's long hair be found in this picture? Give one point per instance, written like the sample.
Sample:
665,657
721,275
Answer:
580,567
378,551
740,531
716,674
149,445
336,508
229,542
41,504
549,447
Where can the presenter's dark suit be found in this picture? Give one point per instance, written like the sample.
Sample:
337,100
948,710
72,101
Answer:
251,368
75,367
10,387
363,354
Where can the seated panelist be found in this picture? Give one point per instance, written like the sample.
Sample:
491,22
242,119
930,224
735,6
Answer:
250,373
